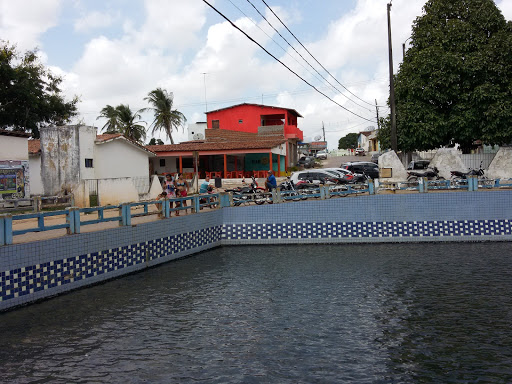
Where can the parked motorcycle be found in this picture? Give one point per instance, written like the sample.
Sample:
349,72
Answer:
458,176
429,173
247,194
288,189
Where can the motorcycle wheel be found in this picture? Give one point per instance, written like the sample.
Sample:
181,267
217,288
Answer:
259,198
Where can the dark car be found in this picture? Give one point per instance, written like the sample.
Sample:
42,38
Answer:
419,164
375,157
366,167
306,161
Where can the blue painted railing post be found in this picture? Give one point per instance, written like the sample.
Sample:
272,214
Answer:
472,183
6,229
196,203
225,199
166,208
371,187
70,220
422,185
126,215
322,192
77,219
276,195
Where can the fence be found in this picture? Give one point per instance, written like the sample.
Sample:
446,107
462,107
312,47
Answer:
471,161
36,203
123,213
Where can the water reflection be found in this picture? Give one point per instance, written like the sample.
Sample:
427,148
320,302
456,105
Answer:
330,313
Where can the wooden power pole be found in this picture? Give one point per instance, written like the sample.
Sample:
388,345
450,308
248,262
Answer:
394,141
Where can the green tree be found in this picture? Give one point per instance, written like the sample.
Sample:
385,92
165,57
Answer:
30,95
130,123
166,118
111,114
349,141
455,83
122,120
154,141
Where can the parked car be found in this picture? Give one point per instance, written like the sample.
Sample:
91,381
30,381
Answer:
321,155
364,167
317,176
360,152
344,175
419,164
306,161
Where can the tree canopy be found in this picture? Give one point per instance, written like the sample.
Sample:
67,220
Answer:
166,118
30,95
348,141
121,119
455,83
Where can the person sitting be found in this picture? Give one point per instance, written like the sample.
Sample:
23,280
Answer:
206,188
271,182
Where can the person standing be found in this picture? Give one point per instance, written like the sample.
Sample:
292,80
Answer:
182,191
271,182
169,188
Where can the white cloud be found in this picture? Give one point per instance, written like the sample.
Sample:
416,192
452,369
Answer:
23,22
506,8
94,20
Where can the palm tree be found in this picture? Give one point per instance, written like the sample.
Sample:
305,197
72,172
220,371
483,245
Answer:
166,118
112,124
130,123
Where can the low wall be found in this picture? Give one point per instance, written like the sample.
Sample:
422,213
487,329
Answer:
37,270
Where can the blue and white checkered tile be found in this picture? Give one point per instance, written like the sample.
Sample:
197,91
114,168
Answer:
23,281
366,230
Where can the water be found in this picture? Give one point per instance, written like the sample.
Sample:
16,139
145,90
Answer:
439,313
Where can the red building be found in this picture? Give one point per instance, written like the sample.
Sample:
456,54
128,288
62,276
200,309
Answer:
261,119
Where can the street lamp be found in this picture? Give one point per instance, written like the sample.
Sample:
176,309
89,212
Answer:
403,46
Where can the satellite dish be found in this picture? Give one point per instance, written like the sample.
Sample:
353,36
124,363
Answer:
198,136
317,138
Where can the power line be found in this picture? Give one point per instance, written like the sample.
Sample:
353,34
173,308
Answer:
307,62
310,54
283,64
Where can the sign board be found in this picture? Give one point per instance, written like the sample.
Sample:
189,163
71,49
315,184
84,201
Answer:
386,173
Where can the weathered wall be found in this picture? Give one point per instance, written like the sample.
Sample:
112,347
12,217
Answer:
36,183
501,166
391,160
13,148
116,191
60,159
87,136
118,158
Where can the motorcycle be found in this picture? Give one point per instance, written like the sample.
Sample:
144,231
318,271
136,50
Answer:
248,194
429,173
287,188
458,176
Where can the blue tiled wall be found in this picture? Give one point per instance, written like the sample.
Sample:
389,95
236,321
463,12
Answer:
40,269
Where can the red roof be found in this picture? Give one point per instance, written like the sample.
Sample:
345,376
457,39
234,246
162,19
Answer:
4,132
34,146
215,146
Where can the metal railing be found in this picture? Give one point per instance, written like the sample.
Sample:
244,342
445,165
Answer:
123,213
37,203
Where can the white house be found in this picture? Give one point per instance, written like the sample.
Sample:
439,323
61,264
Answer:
14,165
99,169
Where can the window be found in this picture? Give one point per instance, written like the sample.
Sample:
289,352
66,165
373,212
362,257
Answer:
162,162
88,163
240,121
215,124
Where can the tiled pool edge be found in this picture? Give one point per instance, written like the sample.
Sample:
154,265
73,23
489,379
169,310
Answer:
33,271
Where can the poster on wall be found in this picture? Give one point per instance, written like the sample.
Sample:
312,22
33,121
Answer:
12,183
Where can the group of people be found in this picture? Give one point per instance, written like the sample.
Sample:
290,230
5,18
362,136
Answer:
177,186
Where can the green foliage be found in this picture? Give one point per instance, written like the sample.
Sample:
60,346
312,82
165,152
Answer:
154,141
121,119
166,118
349,141
455,83
30,95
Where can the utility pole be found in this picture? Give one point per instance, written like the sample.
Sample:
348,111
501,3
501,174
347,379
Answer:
394,141
205,102
323,129
377,110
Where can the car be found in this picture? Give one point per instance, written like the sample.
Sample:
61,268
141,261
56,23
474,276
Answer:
345,174
363,167
317,176
321,155
375,157
419,164
306,161
360,152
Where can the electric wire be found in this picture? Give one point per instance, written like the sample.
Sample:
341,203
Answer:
303,58
302,45
283,64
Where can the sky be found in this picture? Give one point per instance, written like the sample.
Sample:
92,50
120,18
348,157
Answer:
112,52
